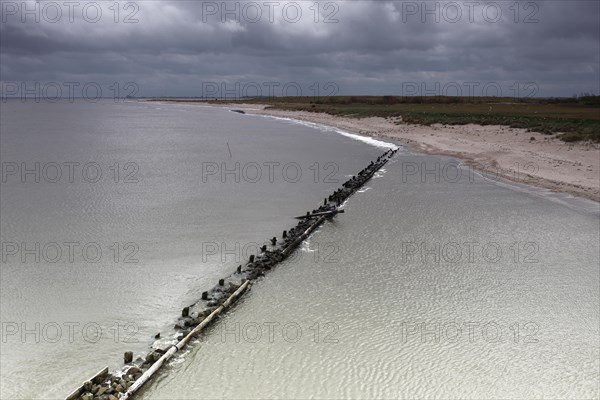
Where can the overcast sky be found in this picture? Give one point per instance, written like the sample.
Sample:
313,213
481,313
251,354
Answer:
196,48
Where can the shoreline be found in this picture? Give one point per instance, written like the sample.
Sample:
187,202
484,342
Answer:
514,154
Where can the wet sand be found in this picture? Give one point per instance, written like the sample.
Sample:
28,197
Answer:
526,157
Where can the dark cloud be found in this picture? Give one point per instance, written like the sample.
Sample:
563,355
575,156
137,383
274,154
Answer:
375,47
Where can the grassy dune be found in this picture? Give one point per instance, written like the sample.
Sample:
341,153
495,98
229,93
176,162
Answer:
571,120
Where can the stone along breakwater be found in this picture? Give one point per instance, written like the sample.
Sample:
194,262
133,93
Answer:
125,382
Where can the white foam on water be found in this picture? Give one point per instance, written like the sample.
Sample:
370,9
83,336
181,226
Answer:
322,127
380,173
305,246
341,206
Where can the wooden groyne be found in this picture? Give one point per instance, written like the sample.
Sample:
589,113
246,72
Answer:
124,383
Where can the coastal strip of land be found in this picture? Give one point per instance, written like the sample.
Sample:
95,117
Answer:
518,154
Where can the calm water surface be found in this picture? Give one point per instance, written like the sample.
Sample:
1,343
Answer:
139,223
405,310
425,288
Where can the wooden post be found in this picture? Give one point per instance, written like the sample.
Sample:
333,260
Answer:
309,225
323,213
97,377
165,357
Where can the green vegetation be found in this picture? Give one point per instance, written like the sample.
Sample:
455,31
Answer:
573,119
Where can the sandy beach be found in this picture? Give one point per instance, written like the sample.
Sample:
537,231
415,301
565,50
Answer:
515,154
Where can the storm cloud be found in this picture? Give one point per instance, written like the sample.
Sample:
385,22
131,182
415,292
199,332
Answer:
187,48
